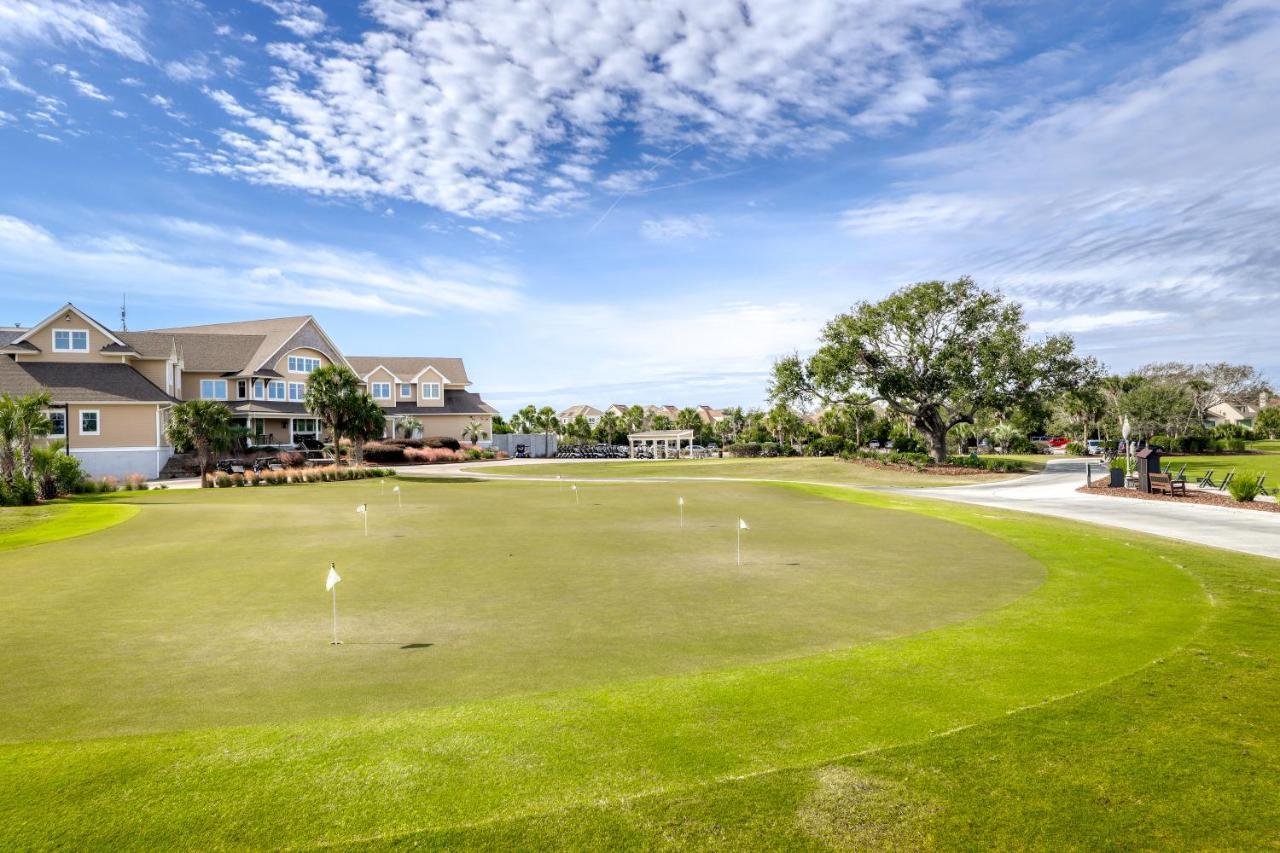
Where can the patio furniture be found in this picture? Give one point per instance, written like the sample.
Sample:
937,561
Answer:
1206,480
1226,481
1164,483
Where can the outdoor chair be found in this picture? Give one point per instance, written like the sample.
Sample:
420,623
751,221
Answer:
1262,485
1206,481
1181,476
1226,481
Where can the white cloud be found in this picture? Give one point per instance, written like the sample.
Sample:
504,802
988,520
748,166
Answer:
300,18
497,108
114,27
1148,207
190,260
481,231
677,228
84,87
195,67
8,81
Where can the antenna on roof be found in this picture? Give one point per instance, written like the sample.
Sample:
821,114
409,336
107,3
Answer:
124,312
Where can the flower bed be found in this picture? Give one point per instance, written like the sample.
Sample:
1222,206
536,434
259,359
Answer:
296,476
1193,496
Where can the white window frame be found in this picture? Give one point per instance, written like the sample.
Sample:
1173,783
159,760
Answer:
428,394
62,413
259,389
97,421
301,388
216,383
406,390
303,364
71,337
273,386
375,386
242,389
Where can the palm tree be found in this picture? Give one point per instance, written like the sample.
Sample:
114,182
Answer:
333,392
547,421
199,424
365,420
31,423
660,422
473,432
8,438
408,426
688,418
635,418
609,426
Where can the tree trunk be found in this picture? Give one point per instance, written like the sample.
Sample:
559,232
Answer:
357,451
937,444
202,459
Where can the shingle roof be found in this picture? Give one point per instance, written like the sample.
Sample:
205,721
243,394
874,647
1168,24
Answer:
201,352
455,403
584,409
407,367
269,336
76,382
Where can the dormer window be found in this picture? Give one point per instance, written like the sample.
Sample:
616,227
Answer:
431,390
70,340
381,390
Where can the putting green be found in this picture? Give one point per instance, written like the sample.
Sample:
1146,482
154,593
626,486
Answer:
662,665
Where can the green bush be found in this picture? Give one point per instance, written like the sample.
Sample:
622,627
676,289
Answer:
1244,488
988,463
1075,448
828,445
222,481
744,449
1019,443
905,442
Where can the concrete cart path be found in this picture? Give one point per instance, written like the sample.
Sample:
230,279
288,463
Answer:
1053,492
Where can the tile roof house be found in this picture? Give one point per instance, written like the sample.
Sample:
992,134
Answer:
111,390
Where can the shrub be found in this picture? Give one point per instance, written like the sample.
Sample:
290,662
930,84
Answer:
380,451
1244,488
745,449
1073,448
433,455
1019,443
108,484
770,449
137,482
439,441
828,445
22,492
222,481
251,478
988,463
905,442
1118,464
292,459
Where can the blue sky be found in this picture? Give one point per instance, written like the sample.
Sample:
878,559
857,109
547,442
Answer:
617,201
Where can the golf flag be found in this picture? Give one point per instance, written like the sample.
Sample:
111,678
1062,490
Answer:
574,489
399,500
396,489
362,507
742,524
680,503
330,585
363,510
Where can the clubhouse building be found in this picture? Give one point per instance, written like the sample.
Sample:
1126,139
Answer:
112,390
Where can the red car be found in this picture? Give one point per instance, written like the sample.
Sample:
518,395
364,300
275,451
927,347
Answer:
1059,442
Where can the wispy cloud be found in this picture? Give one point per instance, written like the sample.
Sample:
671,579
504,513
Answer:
1148,207
677,228
188,260
114,27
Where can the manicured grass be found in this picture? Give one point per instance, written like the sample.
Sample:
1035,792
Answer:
1257,463
1128,700
807,469
21,527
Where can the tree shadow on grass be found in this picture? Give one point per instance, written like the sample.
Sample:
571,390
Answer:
388,643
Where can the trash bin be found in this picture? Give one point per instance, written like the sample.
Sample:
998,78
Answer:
1148,464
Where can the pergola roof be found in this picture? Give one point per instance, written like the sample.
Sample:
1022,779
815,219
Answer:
660,434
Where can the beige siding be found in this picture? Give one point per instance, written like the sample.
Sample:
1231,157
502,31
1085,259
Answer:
119,425
191,385
452,426
383,375
154,369
282,366
431,375
43,338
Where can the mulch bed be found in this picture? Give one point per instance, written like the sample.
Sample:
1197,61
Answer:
1194,496
944,470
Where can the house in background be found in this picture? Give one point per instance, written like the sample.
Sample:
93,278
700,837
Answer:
111,390
1236,412
591,413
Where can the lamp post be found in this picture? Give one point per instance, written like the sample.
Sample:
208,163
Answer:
1125,430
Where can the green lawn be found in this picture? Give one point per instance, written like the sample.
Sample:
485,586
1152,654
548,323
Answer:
882,671
1257,463
806,469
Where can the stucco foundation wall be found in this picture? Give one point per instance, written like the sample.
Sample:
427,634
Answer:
121,462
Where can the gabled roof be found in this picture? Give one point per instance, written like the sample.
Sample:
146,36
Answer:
409,368
200,352
63,311
584,409
76,381
270,337
455,403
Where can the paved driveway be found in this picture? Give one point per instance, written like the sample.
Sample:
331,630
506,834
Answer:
1053,492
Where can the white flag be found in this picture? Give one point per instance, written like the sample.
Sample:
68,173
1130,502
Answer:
360,508
331,581
680,501
575,488
396,489
742,524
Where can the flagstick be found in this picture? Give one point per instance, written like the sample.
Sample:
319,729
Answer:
334,590
739,526
366,520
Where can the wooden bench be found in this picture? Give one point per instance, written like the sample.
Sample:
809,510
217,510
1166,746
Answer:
1165,483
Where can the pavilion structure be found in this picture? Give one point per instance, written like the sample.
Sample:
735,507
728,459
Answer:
665,443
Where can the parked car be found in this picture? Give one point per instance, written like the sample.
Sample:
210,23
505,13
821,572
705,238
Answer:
1059,442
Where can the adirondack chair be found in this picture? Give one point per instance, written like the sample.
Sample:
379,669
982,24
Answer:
1181,476
1206,480
1226,481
